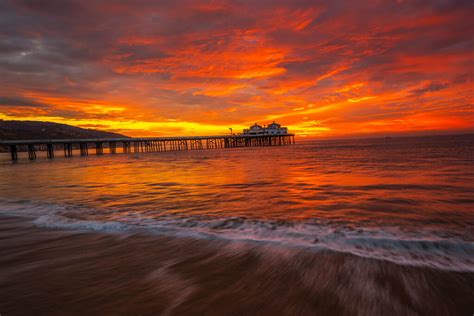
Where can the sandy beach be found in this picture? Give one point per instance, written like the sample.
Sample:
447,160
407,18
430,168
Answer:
58,272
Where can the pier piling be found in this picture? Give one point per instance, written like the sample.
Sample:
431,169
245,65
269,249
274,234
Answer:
113,147
67,150
50,151
31,152
126,147
83,149
13,152
99,148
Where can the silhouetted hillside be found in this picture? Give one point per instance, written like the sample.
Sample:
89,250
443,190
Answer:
10,130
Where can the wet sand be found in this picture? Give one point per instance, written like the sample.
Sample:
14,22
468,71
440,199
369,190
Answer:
59,272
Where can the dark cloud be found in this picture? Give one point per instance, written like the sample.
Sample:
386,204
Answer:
432,87
19,102
135,53
53,7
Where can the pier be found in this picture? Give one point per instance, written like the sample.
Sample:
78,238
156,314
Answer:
140,145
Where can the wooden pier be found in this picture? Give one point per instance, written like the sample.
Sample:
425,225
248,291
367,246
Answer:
141,145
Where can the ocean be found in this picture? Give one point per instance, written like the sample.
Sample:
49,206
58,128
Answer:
357,226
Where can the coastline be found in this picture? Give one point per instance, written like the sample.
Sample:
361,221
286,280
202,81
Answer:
55,271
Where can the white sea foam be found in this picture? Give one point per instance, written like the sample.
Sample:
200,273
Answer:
58,221
421,248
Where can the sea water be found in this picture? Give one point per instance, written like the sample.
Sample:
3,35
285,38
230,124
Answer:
405,200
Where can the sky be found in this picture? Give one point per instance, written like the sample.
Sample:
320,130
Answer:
169,67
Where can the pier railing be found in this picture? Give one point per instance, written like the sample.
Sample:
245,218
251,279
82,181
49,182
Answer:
139,145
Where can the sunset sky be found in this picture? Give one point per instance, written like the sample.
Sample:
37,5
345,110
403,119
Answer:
160,68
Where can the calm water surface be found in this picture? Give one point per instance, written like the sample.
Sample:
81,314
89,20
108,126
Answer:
406,200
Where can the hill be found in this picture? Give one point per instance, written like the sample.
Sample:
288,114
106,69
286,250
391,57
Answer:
18,130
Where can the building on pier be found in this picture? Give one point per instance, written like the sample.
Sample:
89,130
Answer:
271,129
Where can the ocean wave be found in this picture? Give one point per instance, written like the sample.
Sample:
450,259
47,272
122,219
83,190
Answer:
58,221
419,248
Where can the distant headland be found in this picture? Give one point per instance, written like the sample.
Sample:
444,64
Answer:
22,130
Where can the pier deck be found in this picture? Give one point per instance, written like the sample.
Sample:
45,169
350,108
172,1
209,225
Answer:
139,145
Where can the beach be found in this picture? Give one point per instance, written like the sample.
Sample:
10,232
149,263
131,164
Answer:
60,272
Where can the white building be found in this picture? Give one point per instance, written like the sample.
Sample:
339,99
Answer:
271,129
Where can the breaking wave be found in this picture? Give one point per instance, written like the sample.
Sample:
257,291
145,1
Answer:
421,248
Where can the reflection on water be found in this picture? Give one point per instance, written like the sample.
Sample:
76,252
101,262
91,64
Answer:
409,200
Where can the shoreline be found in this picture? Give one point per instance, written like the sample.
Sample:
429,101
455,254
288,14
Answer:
56,271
